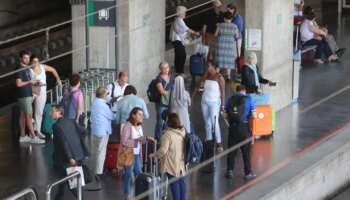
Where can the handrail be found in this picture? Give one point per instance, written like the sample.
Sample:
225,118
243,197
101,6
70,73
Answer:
25,191
72,175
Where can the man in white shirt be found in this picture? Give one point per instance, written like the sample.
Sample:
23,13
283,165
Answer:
116,90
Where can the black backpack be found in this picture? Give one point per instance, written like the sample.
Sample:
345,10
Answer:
237,108
152,92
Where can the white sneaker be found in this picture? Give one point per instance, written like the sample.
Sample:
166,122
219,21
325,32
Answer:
37,140
41,136
24,139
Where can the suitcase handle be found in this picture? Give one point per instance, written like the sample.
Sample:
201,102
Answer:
146,152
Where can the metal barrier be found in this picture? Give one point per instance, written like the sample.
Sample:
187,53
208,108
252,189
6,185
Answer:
22,193
72,175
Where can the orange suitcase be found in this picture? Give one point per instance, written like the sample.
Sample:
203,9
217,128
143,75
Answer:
262,125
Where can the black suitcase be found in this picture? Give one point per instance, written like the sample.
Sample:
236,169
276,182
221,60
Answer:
16,112
151,179
148,182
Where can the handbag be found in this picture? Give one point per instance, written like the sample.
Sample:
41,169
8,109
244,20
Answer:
125,156
73,182
36,90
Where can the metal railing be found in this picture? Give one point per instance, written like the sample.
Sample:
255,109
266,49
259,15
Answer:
72,175
22,193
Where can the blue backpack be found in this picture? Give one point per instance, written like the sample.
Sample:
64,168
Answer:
194,149
69,105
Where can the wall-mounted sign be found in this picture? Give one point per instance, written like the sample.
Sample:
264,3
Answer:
104,14
253,39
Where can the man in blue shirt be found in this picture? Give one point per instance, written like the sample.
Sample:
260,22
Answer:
239,108
130,101
101,118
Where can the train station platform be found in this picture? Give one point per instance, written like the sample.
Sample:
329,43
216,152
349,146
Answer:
309,133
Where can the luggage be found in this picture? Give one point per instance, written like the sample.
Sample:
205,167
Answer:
197,65
260,99
273,120
16,112
111,160
151,180
202,49
262,125
209,151
240,63
47,122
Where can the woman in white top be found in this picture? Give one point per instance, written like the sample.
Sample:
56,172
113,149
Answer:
310,34
212,102
179,30
38,72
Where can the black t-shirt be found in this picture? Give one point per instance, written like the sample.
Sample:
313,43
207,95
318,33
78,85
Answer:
24,75
212,19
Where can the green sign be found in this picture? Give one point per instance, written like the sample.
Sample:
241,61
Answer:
104,13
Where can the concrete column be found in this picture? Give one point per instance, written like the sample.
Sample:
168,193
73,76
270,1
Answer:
78,38
141,40
275,19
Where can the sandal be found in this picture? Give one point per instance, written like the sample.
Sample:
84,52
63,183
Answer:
219,147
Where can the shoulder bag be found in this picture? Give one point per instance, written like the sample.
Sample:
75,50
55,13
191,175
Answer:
125,155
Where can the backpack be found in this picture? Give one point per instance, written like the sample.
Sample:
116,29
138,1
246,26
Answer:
152,92
237,108
69,105
194,149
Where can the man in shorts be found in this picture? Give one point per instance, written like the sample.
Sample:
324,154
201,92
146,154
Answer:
25,98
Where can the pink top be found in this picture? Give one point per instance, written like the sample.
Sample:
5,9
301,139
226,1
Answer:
78,96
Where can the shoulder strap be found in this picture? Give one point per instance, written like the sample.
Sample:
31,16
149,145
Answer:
113,87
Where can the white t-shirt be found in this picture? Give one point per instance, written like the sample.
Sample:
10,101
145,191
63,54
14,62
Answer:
180,30
297,11
305,33
134,135
118,91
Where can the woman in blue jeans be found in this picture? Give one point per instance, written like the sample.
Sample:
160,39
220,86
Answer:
172,156
132,136
165,83
212,102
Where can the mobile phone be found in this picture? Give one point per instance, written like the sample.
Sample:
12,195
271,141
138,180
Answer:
273,84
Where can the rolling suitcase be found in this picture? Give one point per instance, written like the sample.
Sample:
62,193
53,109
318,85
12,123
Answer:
240,63
151,180
47,120
111,160
197,65
262,125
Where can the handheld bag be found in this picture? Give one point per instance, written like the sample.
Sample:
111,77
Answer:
125,156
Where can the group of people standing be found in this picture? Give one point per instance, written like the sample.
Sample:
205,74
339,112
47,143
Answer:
221,32
31,88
